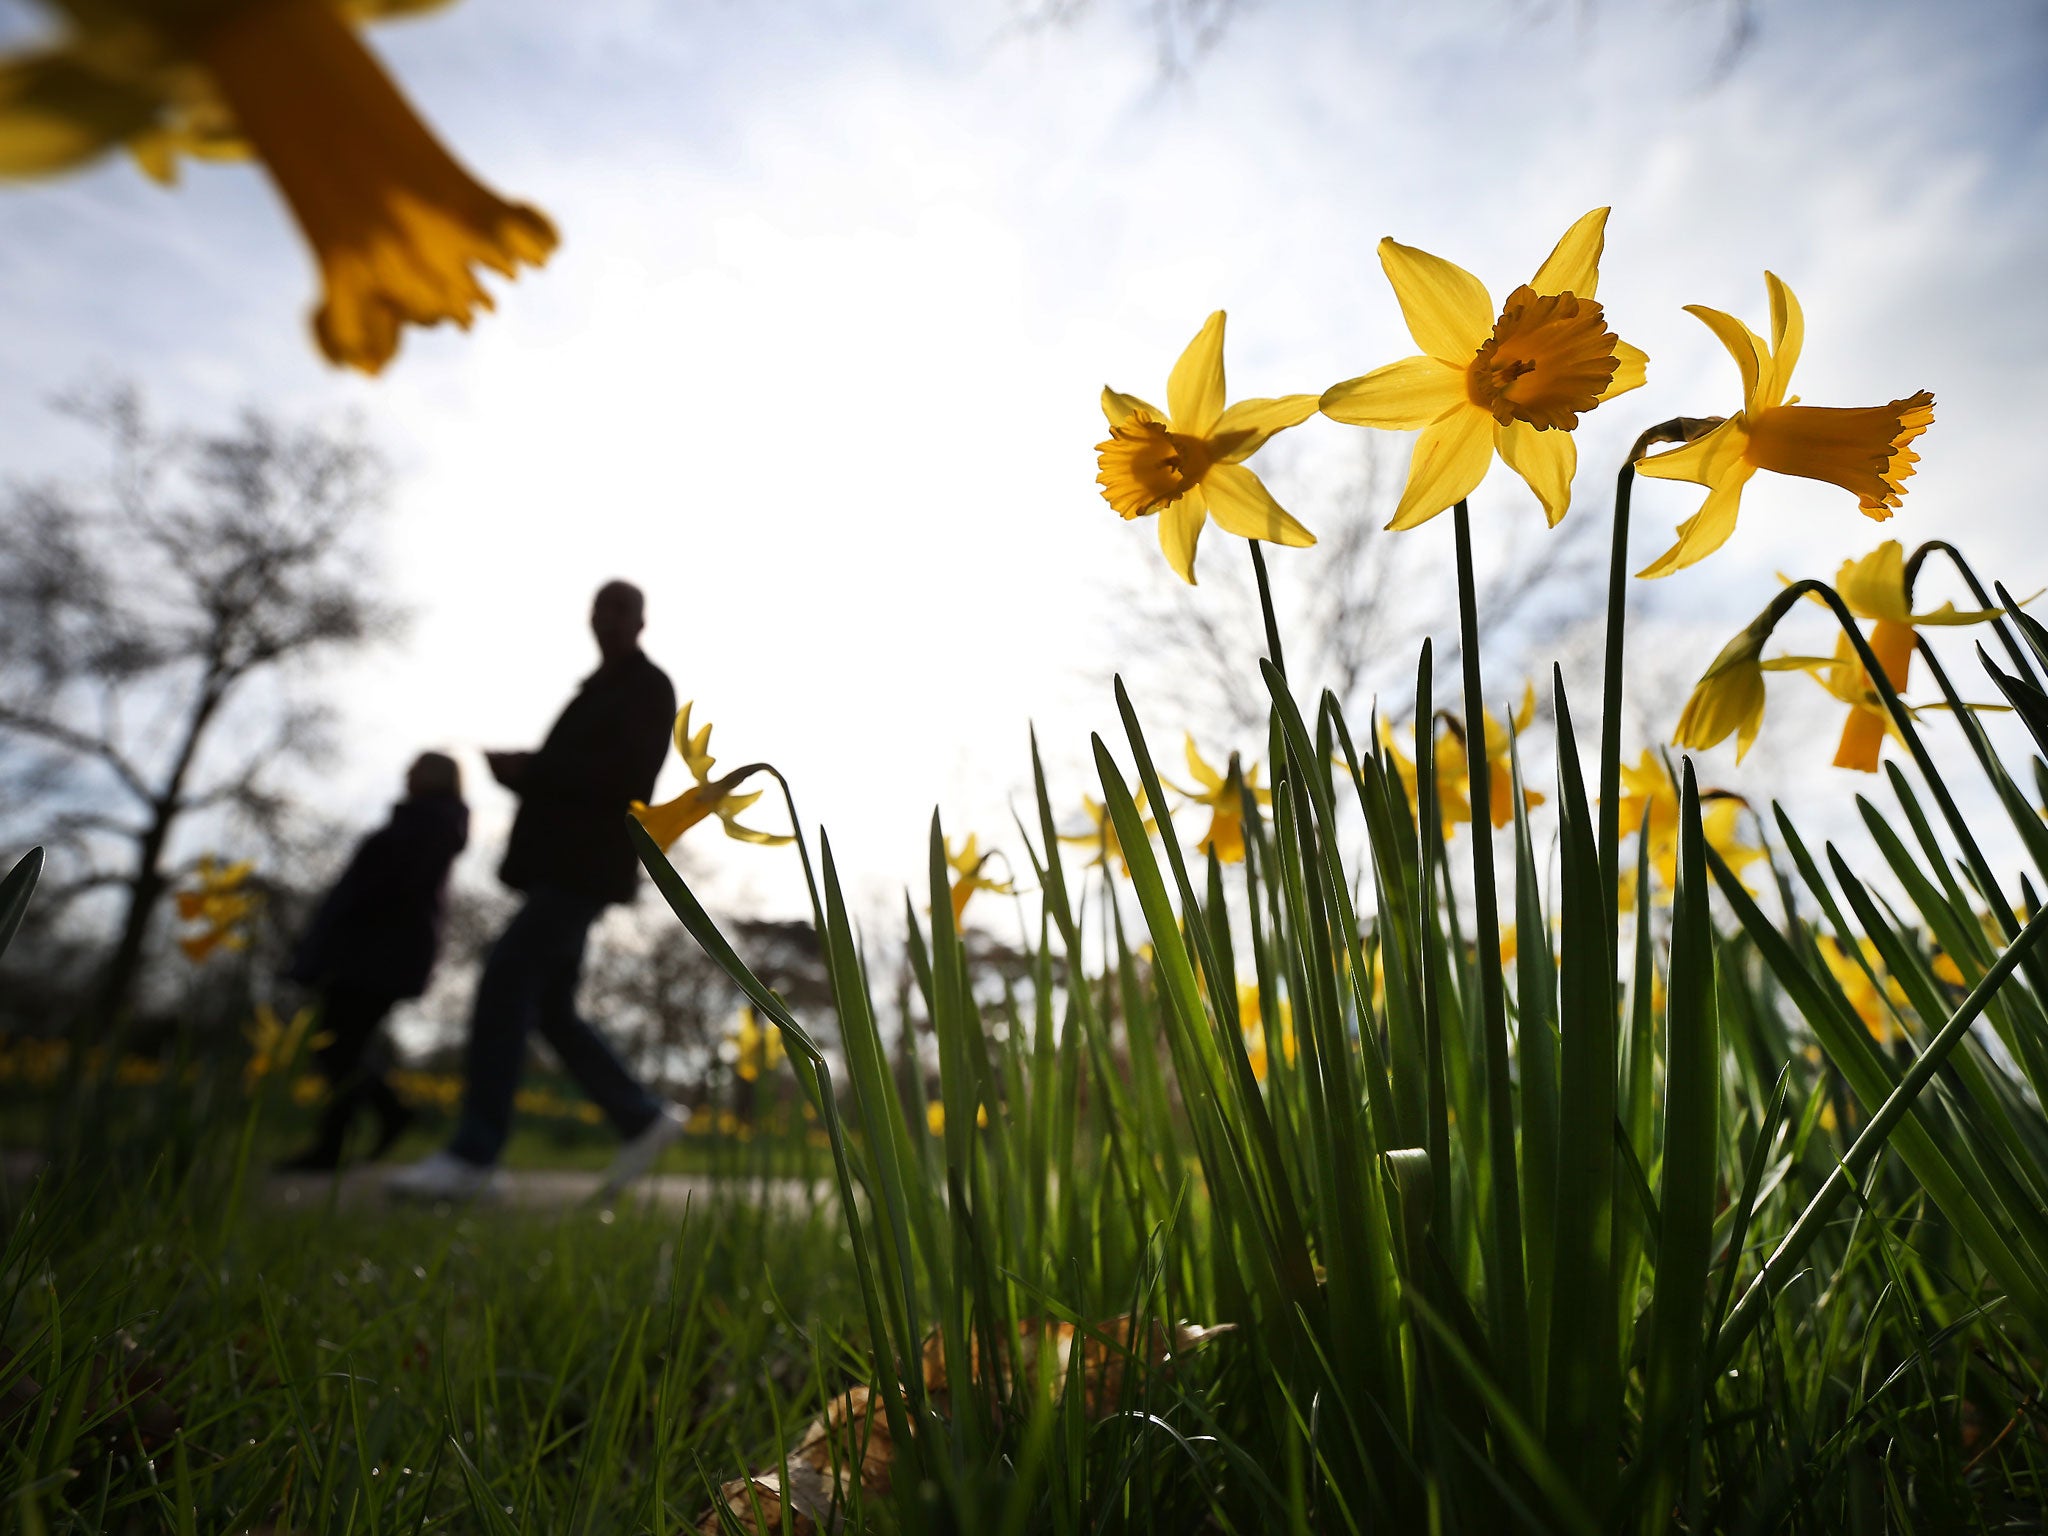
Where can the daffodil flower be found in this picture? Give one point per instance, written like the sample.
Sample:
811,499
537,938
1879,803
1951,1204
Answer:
967,865
1223,793
1101,833
707,797
1252,1024
221,903
1187,462
1649,806
1452,770
757,1050
1874,588
1513,382
1728,700
1865,451
396,225
1879,1011
272,1043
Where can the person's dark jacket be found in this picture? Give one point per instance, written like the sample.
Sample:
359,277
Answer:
605,752
379,929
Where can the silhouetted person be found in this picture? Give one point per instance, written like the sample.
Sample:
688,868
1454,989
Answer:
373,942
570,856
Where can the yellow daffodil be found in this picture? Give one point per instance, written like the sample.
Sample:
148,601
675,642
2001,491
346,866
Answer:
757,1050
1223,794
272,1043
397,226
1452,770
1187,462
1866,451
967,864
220,902
1649,806
707,797
1101,833
1253,1026
935,1117
1513,383
1879,1012
1874,588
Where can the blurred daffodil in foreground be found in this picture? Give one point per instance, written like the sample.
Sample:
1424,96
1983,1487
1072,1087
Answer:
1874,588
967,864
1187,462
1866,451
396,225
707,797
1513,382
219,902
1101,833
1223,792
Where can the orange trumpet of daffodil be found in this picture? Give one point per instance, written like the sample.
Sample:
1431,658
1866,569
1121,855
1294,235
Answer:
707,797
1513,382
396,225
1187,462
967,864
1223,793
1874,588
1866,451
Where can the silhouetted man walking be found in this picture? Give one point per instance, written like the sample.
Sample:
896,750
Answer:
570,856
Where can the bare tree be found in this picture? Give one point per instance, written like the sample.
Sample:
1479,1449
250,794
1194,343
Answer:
154,627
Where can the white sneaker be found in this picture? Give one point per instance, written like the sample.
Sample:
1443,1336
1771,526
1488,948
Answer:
441,1176
638,1155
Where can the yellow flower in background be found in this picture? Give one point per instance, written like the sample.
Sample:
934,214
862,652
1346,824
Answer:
1649,806
1874,588
967,865
1223,793
935,1117
1867,451
1187,462
1453,771
1252,1024
1101,833
221,902
1513,383
396,225
273,1043
757,1049
1879,1012
708,797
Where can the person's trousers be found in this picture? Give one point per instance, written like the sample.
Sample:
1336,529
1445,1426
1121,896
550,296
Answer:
530,979
350,1058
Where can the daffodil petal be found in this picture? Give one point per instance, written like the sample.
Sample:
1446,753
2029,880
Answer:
1743,344
1631,367
1874,587
1194,390
1788,335
1547,460
1242,505
1206,776
1399,397
1446,307
1450,459
1120,408
1574,267
1948,613
56,112
1704,532
1180,526
1244,428
1704,461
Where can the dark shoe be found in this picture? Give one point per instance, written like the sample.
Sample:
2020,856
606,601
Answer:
312,1160
394,1125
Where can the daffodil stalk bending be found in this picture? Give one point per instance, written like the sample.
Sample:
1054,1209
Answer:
396,225
718,797
1512,382
1186,463
1867,451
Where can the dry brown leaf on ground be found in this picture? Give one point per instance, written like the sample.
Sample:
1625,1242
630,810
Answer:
851,1437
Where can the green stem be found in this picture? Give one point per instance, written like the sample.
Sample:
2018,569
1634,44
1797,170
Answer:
1266,609
1510,1302
2013,648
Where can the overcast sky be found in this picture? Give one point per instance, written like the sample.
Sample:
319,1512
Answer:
817,362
